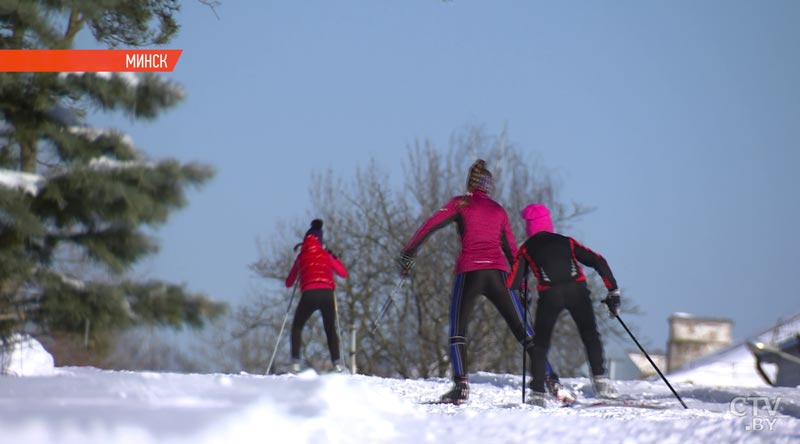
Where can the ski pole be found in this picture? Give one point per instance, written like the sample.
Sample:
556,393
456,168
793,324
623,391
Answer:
280,333
342,349
386,304
525,326
605,301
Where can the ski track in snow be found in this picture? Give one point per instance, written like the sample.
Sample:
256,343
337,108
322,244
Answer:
87,405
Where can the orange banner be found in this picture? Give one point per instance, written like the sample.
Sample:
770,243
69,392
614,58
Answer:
89,60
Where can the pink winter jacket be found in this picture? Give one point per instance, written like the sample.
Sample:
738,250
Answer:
487,242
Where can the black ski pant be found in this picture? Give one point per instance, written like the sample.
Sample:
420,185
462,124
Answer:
311,301
574,297
466,289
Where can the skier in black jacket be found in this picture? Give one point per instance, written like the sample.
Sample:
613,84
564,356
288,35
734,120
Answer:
555,261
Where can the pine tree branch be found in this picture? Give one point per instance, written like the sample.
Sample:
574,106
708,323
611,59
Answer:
46,164
213,5
17,36
28,156
75,24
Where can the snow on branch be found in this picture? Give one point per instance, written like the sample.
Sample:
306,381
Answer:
27,182
107,163
72,282
131,79
93,133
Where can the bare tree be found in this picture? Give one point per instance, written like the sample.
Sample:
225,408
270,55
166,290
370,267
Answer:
367,222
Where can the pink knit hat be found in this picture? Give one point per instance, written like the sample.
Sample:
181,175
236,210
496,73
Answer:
537,218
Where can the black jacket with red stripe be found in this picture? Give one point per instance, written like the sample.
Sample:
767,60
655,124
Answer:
555,259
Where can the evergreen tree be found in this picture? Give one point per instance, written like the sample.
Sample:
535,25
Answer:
70,191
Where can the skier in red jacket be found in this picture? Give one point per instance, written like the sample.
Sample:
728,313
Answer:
314,267
487,250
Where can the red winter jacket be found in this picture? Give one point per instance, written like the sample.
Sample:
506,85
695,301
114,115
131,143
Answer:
315,266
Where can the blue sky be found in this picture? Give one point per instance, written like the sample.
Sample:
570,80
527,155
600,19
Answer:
678,120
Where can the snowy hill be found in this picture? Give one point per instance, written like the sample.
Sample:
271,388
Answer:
87,405
21,355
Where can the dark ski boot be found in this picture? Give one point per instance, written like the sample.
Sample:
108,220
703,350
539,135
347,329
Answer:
458,394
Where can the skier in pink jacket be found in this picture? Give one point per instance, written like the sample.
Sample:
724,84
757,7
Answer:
487,249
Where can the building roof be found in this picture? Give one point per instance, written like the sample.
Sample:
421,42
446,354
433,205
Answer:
681,315
735,365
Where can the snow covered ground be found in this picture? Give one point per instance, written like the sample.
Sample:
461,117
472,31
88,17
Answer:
87,405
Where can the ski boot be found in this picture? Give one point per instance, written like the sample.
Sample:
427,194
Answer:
559,392
458,394
295,367
552,383
603,388
339,368
538,399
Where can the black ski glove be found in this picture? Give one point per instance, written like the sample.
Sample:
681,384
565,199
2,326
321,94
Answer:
613,302
406,263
